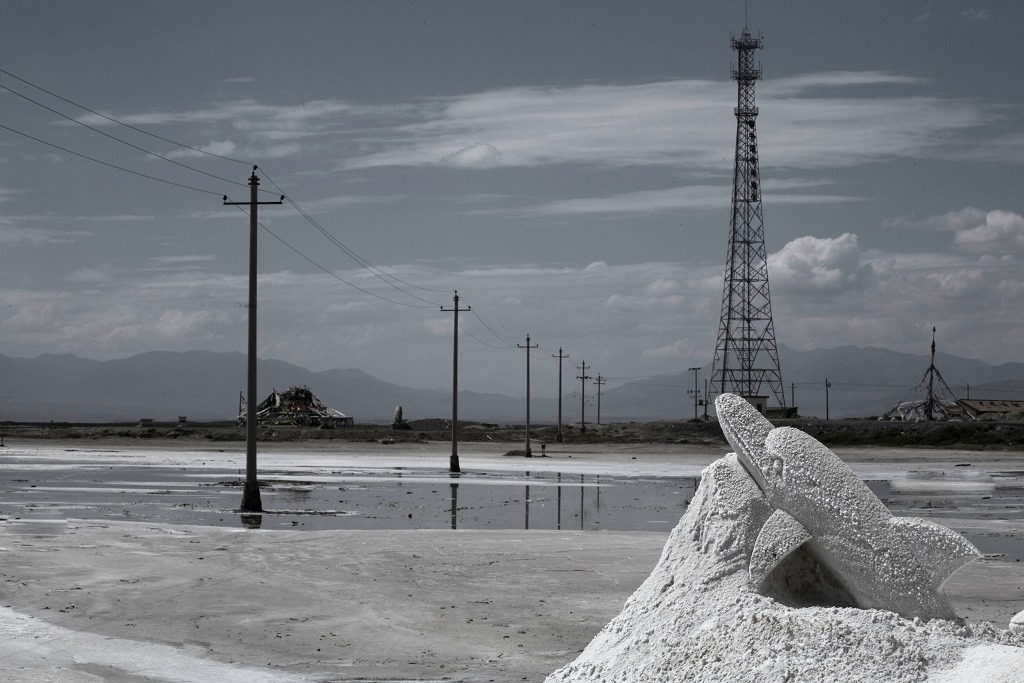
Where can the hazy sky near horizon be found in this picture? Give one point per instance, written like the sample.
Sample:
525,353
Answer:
566,166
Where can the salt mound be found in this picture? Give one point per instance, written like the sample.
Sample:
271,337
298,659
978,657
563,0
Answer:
697,618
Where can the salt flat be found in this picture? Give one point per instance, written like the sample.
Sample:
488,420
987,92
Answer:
87,599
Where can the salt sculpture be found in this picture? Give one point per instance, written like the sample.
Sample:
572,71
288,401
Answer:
764,577
821,506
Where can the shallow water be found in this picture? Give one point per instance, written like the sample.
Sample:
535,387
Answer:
37,494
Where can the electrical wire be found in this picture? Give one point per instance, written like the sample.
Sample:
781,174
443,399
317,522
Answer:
377,272
328,271
110,165
117,139
369,267
121,123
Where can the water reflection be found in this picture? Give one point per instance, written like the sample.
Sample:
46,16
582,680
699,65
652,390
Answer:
987,506
488,502
455,502
251,521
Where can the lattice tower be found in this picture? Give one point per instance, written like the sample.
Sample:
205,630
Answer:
746,356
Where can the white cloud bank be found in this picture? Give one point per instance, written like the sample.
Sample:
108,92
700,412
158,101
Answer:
676,123
625,320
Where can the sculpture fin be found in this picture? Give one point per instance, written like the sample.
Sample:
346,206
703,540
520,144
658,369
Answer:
778,538
937,548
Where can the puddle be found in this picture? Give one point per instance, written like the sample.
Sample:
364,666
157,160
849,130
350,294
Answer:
988,507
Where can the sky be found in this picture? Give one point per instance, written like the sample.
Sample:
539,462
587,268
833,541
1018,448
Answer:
565,166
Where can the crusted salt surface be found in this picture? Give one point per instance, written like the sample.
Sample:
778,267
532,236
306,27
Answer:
698,618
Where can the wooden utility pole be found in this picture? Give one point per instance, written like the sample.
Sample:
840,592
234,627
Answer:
827,386
583,377
600,381
529,453
251,492
560,358
696,390
453,462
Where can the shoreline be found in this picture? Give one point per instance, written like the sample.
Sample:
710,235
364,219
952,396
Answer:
979,435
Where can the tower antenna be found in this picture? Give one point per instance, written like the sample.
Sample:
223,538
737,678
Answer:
746,356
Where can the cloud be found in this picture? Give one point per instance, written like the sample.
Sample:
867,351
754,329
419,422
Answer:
117,218
476,155
979,231
90,275
1000,232
677,123
672,200
625,320
11,232
7,195
268,131
222,148
814,265
975,14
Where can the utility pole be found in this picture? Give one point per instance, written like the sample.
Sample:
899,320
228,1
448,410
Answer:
583,377
827,386
706,400
695,392
529,453
453,462
251,492
600,381
560,358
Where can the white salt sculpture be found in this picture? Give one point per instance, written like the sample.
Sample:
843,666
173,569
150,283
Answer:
785,567
820,505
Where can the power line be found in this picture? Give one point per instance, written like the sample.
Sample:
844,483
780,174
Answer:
121,123
377,272
332,273
369,267
117,139
110,165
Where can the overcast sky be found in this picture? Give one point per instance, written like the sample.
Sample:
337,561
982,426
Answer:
566,166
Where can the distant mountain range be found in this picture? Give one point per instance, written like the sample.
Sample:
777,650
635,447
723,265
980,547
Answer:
205,386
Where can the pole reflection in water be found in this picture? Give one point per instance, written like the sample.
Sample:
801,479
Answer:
559,498
251,521
527,502
455,500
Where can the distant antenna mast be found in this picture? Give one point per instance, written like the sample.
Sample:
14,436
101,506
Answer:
746,356
931,407
938,404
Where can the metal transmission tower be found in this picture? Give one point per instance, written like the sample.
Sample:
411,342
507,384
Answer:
746,356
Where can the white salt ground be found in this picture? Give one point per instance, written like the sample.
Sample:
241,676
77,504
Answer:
696,618
79,657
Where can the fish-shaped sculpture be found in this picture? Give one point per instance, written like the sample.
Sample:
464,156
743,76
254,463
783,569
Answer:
823,508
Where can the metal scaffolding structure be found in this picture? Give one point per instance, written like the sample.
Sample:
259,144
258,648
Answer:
929,401
746,355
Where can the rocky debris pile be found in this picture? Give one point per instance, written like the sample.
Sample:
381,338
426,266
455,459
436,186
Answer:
297,406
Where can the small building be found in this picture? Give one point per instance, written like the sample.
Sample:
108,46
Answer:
986,409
